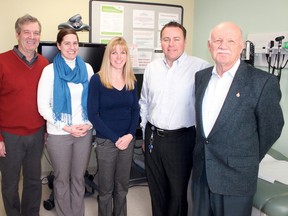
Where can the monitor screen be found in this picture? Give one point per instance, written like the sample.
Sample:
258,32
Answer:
91,53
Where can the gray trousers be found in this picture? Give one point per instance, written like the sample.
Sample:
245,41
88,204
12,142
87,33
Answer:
69,157
22,152
114,167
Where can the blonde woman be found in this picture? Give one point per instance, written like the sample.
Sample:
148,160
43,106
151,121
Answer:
114,112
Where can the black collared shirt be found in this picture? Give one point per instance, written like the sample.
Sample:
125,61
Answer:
23,57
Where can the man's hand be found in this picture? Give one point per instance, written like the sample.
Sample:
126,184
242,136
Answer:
2,149
143,146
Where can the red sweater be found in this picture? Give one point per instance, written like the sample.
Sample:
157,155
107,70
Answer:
18,94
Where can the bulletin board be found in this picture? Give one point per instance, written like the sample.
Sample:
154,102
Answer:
138,22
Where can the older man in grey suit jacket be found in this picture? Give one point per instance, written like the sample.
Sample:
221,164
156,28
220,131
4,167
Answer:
238,118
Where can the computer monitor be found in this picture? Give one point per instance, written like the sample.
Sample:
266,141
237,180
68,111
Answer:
91,53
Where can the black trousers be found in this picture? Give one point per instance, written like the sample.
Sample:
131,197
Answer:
168,168
206,203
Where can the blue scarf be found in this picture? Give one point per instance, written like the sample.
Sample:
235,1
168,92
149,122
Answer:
63,74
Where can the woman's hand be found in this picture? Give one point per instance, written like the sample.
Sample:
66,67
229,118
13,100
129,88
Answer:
77,130
123,142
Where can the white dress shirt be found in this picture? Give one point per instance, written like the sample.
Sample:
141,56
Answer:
167,95
215,95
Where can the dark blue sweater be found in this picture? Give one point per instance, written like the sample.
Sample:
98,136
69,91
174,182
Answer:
112,112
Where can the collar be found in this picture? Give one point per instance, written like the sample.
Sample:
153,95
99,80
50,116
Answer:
23,57
232,71
177,61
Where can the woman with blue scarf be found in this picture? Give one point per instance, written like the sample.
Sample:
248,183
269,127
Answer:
62,101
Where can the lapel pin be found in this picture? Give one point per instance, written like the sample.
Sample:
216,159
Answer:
238,94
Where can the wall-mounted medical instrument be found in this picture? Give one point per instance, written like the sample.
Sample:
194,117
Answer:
248,53
269,55
276,64
271,51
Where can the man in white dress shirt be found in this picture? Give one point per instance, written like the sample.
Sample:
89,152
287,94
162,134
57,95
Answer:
168,122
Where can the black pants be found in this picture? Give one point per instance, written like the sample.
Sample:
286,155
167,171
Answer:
168,168
206,203
22,152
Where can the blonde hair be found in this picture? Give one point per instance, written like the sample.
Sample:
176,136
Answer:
105,69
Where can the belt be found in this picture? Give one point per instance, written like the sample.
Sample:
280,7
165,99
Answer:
165,133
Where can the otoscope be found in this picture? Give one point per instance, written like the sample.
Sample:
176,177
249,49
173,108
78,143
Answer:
279,40
271,45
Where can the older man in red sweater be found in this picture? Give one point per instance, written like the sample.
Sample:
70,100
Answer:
21,126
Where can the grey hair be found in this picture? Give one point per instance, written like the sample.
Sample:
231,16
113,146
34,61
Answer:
26,19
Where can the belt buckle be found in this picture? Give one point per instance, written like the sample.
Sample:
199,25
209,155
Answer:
160,132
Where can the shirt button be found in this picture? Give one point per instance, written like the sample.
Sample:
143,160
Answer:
206,141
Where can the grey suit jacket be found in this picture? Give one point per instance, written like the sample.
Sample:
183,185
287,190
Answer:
248,124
